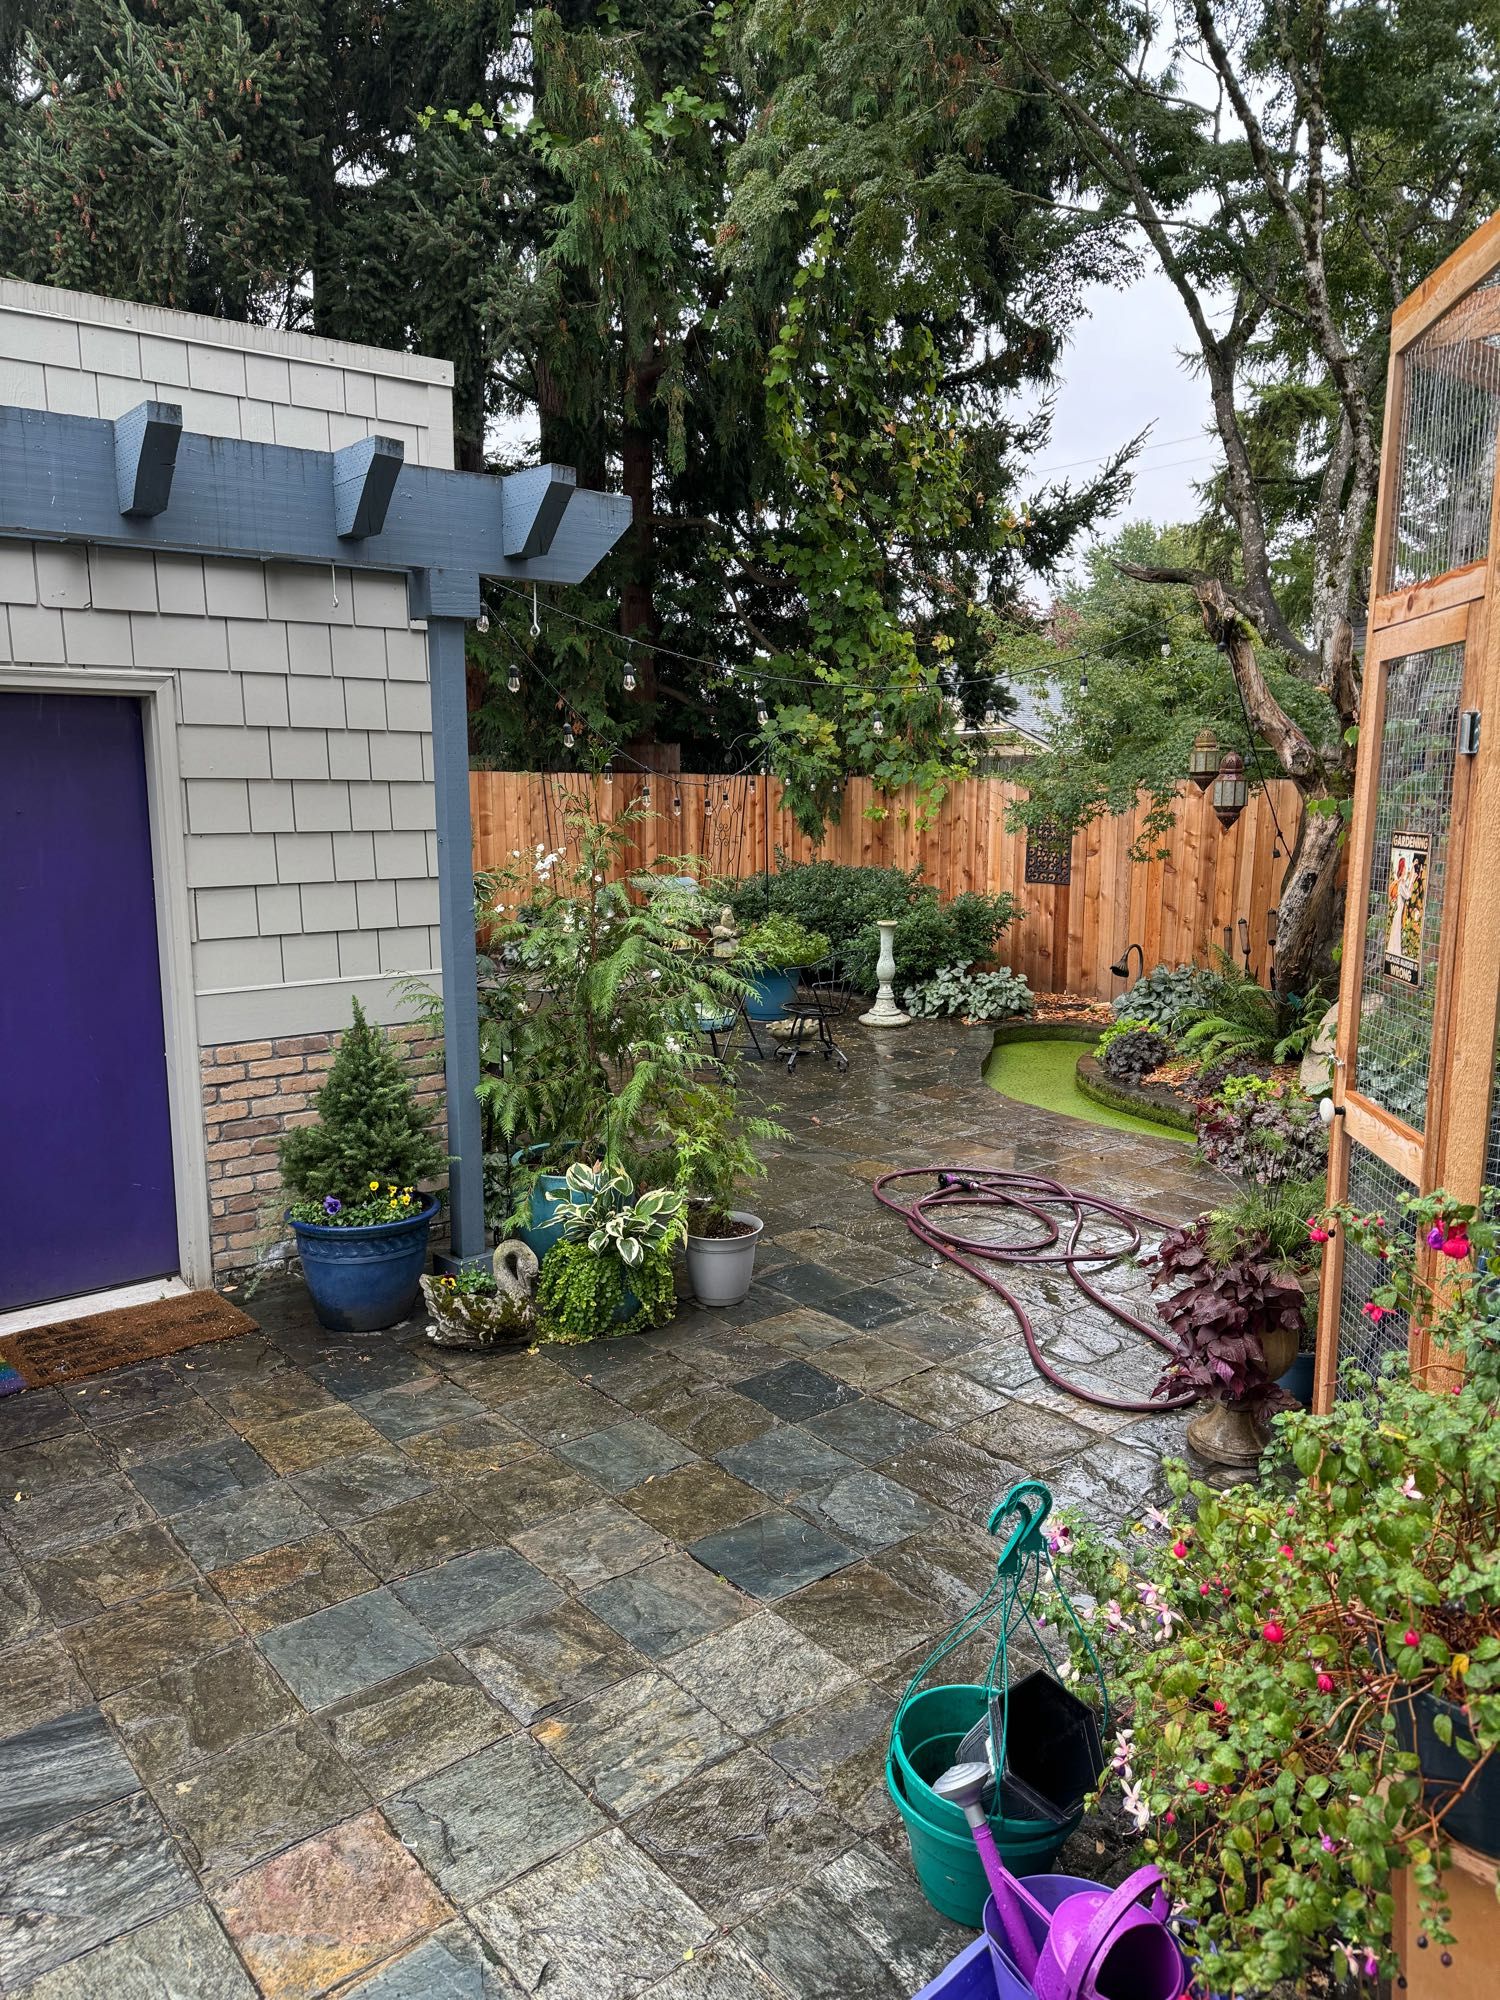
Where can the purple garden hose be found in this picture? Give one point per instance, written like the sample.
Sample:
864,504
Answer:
1031,1195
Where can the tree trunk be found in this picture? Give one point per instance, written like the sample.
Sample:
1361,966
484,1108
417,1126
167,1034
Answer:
1308,913
637,481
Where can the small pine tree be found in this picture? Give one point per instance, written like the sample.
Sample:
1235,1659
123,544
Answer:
370,1126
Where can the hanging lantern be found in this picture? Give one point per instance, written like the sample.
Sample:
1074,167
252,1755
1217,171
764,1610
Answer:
1203,763
1230,789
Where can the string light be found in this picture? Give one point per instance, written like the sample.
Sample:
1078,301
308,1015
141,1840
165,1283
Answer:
646,796
568,737
677,805
1083,685
482,622
877,727
630,680
513,680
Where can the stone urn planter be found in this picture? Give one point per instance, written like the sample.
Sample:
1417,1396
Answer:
1230,1433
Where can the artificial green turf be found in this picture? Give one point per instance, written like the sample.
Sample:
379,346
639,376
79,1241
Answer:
1044,1074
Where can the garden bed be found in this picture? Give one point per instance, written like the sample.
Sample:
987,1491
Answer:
1158,1102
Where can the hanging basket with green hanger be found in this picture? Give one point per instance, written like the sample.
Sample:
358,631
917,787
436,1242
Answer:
1042,1743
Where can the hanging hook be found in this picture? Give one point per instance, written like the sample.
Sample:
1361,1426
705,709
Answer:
333,581
536,623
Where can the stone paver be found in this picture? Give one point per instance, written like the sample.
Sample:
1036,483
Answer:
347,1665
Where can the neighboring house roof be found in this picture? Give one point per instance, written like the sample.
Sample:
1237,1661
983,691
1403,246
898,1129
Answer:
1031,719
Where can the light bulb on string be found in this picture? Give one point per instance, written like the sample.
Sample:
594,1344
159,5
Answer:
1166,649
568,737
630,680
726,795
1083,686
482,622
677,805
646,796
513,681
877,727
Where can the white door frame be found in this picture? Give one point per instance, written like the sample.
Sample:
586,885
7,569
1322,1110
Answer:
157,695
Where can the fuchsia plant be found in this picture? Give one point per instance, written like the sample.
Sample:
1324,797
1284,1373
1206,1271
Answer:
1265,1645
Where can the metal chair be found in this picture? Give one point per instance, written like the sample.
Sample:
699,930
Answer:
817,1004
718,1030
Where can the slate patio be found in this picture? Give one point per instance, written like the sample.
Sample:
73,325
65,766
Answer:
347,1665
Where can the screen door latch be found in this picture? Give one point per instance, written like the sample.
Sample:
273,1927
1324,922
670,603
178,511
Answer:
1468,732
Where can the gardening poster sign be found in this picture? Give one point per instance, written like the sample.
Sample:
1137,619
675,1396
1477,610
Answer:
1406,906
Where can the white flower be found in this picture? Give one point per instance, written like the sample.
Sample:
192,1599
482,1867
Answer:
498,908
1136,1807
515,854
1410,1489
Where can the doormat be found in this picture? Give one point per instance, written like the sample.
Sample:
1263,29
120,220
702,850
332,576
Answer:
71,1349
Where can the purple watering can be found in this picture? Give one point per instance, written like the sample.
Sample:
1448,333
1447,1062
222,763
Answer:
1097,1944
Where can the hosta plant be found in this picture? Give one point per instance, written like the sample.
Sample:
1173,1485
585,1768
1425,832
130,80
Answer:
616,1247
1164,997
604,1212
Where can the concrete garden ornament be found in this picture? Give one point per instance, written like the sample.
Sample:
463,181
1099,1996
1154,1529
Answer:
495,1308
885,1013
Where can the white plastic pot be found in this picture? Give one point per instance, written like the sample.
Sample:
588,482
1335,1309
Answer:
720,1267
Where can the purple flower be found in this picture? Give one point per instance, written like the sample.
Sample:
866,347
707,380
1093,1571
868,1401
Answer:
331,1204
1435,1237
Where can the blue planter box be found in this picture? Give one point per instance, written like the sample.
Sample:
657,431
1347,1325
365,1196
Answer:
366,1278
771,994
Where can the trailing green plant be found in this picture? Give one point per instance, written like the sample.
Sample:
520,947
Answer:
1218,1312
779,943
714,1152
1165,997
1130,1049
1267,1645
1264,1128
580,1295
371,1134
602,995
977,996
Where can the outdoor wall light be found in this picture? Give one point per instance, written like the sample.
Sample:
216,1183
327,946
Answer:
1121,966
1230,789
1244,929
1203,762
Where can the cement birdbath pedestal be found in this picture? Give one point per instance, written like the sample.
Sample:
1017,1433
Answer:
885,1013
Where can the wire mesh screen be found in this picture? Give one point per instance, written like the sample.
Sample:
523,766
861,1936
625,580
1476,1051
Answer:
1449,414
1373,1187
1398,982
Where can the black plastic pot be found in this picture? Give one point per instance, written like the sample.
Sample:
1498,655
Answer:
1053,1756
1474,1821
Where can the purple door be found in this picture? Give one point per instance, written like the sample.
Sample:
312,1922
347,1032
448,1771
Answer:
86,1194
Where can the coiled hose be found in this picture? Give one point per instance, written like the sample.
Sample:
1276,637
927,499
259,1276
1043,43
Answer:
1034,1196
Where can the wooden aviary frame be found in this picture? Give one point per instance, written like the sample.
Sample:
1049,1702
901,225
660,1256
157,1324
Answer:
1426,800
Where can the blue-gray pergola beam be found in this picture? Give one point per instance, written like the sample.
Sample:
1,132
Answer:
144,483
364,478
535,502
450,773
146,441
270,502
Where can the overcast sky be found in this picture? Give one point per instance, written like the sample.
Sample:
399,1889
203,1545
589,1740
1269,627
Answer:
1122,371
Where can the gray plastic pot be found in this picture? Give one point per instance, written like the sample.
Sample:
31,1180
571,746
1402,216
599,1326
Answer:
720,1267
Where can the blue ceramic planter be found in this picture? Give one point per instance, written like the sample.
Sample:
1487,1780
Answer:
1298,1380
771,994
363,1279
549,1197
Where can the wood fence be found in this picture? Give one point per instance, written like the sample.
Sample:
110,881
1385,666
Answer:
1068,935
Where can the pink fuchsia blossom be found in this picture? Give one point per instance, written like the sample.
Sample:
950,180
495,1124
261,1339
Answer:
1316,1233
1286,1549
1170,1818
1456,1245
1201,1785
1179,1549
1325,1683
1273,1632
1221,1708
1374,1313
1410,1637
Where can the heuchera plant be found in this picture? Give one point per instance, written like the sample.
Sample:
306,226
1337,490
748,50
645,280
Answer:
1266,1644
1218,1311
1263,1128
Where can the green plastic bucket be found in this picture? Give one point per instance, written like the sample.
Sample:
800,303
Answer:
928,1729
949,1870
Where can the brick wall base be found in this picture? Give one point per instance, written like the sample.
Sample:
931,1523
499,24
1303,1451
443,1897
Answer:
252,1093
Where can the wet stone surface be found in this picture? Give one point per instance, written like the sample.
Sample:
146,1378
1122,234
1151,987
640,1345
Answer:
350,1666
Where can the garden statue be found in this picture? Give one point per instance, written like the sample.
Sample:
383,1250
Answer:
725,934
495,1308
